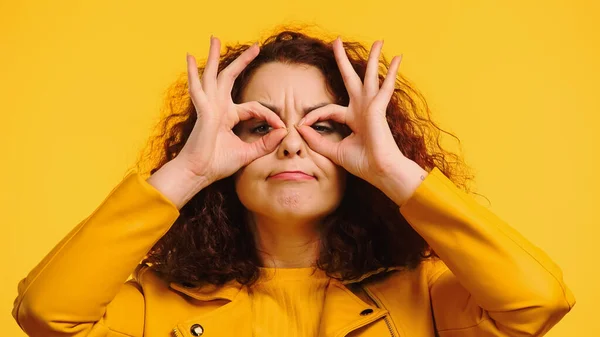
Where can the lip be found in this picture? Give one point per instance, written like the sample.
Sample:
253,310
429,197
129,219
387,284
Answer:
292,175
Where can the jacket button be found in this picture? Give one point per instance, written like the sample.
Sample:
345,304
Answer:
197,330
366,312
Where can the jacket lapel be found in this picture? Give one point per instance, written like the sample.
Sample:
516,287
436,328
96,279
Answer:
231,319
344,312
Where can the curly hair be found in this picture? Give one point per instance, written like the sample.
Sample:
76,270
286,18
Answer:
210,243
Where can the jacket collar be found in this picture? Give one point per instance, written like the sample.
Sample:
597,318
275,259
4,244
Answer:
334,322
231,289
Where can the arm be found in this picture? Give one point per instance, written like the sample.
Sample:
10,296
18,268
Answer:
78,289
492,281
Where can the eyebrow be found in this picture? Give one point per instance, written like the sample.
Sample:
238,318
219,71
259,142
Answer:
306,110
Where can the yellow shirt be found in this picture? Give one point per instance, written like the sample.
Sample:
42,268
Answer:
288,301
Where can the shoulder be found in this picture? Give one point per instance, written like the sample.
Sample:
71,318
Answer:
425,274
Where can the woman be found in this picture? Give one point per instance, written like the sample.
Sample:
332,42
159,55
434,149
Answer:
296,194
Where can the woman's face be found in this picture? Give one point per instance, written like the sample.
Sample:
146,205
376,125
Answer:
289,90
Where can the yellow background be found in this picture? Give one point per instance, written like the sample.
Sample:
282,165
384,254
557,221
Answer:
516,81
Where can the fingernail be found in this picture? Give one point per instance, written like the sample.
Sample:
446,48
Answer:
301,121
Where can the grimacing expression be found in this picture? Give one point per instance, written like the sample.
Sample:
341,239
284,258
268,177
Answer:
288,89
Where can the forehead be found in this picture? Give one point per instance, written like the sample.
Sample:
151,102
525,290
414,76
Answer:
276,81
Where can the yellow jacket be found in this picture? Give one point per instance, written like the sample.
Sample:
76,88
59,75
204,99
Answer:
492,281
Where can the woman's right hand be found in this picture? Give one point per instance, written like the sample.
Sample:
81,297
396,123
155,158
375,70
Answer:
212,151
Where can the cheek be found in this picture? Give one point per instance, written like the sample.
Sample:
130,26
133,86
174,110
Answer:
243,188
247,177
241,177
341,175
335,175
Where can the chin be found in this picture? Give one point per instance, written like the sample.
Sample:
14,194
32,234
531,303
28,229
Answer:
290,203
295,214
304,210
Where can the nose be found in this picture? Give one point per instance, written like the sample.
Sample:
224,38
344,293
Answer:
292,144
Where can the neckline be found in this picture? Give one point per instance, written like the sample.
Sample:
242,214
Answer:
291,274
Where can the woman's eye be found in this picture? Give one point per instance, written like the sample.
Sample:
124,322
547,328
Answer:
322,128
261,129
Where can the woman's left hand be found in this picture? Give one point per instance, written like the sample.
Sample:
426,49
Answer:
370,151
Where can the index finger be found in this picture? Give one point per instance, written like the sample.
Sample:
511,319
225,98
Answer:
256,110
334,112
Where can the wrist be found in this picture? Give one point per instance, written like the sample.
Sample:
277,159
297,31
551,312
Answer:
400,183
177,183
188,175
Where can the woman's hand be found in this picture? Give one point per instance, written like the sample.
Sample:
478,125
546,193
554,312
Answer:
212,150
370,151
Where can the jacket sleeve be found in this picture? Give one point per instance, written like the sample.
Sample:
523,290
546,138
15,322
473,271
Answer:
491,281
79,288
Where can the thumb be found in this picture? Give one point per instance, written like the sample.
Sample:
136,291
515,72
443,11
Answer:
319,143
265,144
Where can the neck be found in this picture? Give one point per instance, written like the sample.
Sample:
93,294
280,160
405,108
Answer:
286,243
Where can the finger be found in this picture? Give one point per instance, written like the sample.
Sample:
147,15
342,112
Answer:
333,112
265,145
256,110
350,77
319,143
387,88
371,74
209,76
194,85
226,78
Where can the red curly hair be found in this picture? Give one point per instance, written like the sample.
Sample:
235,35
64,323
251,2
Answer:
210,241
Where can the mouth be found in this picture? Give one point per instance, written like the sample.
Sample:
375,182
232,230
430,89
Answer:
292,175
